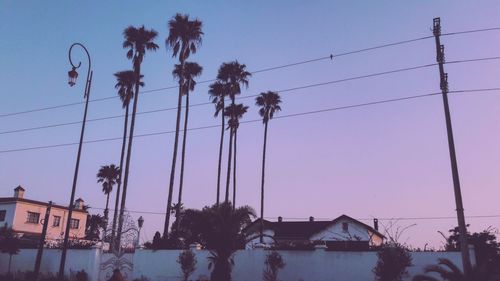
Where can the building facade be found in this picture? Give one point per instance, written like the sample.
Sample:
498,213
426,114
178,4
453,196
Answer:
343,233
26,217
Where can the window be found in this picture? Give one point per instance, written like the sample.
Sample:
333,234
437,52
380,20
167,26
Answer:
345,226
33,217
74,223
57,221
2,215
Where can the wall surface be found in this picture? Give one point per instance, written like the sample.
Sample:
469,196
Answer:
76,260
317,265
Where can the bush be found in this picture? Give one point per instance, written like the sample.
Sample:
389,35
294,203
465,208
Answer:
274,262
392,263
187,260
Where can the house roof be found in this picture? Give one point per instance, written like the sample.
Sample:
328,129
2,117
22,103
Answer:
303,229
16,199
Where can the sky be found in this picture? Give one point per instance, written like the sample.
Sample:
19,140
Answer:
381,161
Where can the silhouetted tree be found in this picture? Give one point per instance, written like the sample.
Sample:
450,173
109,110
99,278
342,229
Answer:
184,38
125,81
274,262
486,247
93,225
138,41
232,75
393,260
218,92
9,243
269,103
108,176
218,229
235,112
187,261
188,73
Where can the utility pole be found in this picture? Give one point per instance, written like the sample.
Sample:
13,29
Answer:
41,244
451,144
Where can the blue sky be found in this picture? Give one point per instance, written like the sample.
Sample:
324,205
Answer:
381,161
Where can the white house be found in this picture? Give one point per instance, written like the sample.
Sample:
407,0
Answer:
342,233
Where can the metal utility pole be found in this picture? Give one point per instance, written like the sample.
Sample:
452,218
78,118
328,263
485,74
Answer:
41,244
451,144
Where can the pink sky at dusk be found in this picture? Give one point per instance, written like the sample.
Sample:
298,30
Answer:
381,161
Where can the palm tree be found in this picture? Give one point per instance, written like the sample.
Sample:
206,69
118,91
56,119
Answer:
138,41
269,103
184,38
125,85
218,229
108,176
235,112
233,75
218,92
190,71
448,271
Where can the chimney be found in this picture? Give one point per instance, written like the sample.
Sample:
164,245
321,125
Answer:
375,224
79,204
19,192
280,219
311,219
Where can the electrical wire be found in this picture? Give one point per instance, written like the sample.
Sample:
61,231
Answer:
251,96
242,122
207,103
329,57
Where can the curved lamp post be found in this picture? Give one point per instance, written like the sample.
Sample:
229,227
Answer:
72,76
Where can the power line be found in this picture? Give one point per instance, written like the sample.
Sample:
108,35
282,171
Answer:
326,219
329,57
470,31
248,121
251,96
246,97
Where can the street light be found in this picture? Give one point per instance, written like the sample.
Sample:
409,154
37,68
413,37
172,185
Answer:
140,223
72,76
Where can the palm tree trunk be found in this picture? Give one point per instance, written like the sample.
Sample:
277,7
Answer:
229,164
183,155
234,168
174,158
124,142
129,153
106,211
261,239
220,152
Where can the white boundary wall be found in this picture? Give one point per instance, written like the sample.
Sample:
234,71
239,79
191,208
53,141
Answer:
317,265
76,260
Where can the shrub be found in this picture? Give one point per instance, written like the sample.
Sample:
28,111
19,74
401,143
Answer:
274,262
187,260
392,263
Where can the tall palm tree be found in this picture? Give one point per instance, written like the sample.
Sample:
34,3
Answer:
218,92
138,41
125,81
184,38
269,103
233,75
108,176
238,112
188,73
